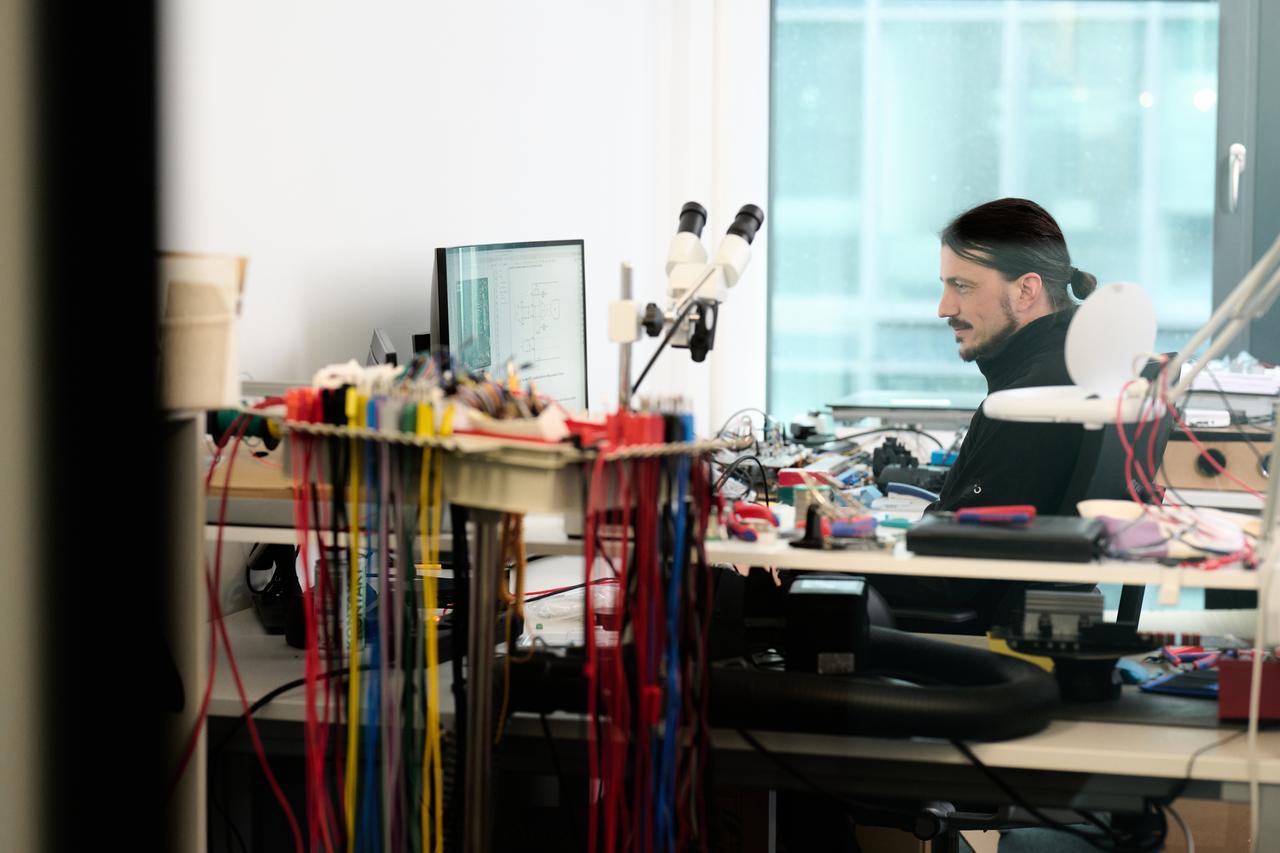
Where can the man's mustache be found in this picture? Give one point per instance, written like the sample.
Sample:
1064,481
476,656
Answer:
957,324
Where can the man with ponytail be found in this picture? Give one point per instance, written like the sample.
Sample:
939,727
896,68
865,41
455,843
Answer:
1009,290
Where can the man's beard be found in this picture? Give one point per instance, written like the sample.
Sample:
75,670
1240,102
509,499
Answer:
999,337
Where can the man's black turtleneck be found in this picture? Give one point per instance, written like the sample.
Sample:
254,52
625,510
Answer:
1005,462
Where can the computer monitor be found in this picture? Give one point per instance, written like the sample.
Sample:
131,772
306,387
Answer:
524,302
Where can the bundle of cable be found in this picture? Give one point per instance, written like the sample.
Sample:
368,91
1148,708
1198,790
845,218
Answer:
382,496
647,672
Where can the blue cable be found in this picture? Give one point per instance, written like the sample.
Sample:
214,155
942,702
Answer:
666,779
369,833
370,836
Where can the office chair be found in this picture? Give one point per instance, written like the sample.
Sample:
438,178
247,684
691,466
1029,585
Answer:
1099,474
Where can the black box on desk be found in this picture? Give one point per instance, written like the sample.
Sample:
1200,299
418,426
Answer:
827,629
1046,537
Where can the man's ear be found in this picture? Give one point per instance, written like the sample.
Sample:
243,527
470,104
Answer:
1030,290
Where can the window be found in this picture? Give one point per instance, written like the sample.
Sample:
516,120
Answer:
889,117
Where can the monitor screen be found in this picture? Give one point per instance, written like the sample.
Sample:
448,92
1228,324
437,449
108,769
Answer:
524,302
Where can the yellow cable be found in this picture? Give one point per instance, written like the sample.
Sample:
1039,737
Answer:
513,551
353,668
520,564
424,426
433,691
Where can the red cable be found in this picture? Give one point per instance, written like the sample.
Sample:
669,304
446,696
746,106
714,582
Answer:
1155,429
622,690
642,620
536,592
708,608
640,632
589,670
324,598
316,826
1128,448
253,735
609,750
197,727
299,458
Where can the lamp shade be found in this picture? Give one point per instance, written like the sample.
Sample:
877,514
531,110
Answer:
1109,340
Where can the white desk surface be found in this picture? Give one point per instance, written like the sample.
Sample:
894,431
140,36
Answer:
544,534
267,662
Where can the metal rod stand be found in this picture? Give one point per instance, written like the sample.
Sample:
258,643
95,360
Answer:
624,349
486,572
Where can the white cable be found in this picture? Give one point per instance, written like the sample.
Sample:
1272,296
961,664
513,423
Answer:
1255,697
1186,831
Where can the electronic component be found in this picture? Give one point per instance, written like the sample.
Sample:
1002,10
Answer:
381,350
1068,626
1243,454
831,464
828,631
927,477
891,452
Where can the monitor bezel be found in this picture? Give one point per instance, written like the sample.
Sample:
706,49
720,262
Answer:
440,327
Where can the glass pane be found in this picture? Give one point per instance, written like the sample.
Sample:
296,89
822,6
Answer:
890,117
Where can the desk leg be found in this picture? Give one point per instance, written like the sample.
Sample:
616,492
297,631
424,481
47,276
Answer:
186,625
1268,815
485,573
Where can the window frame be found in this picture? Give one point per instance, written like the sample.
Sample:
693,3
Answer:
1248,108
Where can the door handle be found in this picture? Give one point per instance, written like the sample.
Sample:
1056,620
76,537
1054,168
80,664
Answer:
1235,168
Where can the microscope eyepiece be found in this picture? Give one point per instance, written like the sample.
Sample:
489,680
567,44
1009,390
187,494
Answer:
692,217
747,222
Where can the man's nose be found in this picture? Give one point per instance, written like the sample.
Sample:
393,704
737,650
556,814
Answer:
947,307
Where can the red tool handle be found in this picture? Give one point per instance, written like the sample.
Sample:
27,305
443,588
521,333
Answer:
1016,514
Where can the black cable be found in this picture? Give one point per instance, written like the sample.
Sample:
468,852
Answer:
733,466
1149,401
558,592
1231,415
663,344
458,516
1114,840
850,806
270,697
218,796
878,431
1181,787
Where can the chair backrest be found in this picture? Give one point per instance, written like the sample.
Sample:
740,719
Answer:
1100,473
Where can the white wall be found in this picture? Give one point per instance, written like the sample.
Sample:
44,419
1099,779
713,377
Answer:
338,143
713,146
